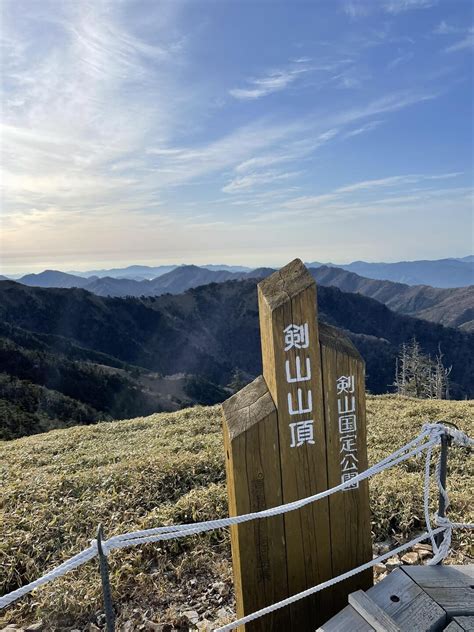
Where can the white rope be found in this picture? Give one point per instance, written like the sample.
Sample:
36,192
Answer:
431,432
445,526
426,430
441,550
426,497
458,436
178,531
323,585
62,569
435,430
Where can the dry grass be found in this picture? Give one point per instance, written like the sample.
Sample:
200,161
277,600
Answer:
163,469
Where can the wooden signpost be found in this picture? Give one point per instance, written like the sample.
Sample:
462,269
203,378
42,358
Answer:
297,430
344,412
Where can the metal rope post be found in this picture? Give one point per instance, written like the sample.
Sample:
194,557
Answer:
445,441
104,576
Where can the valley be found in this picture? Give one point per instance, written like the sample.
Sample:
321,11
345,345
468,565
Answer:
69,356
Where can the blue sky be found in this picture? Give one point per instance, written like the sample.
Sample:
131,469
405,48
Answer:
235,132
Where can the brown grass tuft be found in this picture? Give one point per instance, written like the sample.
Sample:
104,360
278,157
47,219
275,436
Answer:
164,469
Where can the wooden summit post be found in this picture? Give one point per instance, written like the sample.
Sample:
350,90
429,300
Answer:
286,437
345,419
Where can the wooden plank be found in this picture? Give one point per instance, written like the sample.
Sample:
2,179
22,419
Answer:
453,627
292,371
348,620
449,586
372,613
254,483
344,389
465,623
407,604
455,576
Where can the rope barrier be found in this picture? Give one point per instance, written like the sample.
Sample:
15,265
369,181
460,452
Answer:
323,585
62,569
178,531
426,440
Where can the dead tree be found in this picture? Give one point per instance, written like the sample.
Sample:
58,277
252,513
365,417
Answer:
417,375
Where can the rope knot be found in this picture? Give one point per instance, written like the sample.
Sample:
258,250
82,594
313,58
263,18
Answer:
442,550
442,521
104,544
438,429
460,438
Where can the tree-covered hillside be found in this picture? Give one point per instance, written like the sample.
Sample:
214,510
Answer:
95,349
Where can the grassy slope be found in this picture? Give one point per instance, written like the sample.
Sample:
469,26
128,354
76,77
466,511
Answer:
164,469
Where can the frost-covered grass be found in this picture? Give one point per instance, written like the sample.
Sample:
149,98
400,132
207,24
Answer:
164,469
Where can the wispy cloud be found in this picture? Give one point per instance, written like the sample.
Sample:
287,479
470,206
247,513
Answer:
233,149
293,151
368,127
349,80
443,28
392,102
73,110
116,120
395,181
272,81
301,60
264,161
466,43
251,180
400,6
401,59
356,199
356,8
363,8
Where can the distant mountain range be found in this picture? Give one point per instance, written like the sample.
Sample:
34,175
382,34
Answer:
69,356
55,278
452,307
177,280
443,273
140,273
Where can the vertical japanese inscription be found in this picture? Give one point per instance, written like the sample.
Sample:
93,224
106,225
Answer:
302,431
347,425
260,529
344,417
295,431
292,371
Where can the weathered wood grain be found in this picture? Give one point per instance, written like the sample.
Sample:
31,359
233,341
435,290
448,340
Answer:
407,604
286,298
465,623
449,586
254,483
351,540
372,613
450,576
453,627
347,620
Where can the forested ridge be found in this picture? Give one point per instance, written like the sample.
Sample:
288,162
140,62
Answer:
97,351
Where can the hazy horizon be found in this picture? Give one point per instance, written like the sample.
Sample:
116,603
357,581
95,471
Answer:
235,132
86,268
